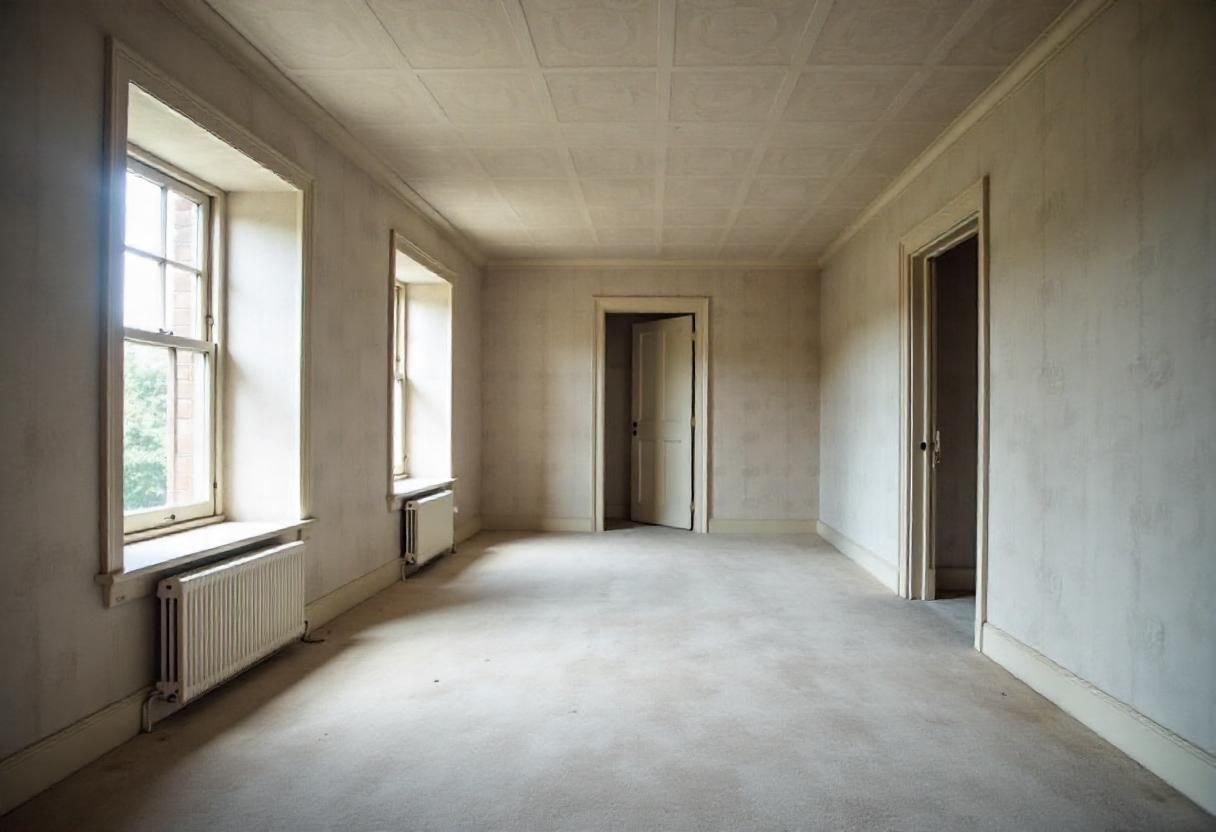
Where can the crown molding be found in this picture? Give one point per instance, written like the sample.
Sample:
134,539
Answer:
651,263
1067,26
209,25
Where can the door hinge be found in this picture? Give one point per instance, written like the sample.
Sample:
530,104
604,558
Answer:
694,336
692,421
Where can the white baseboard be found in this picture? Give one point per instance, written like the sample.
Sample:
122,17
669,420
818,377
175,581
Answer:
329,606
727,526
954,578
538,524
467,529
886,573
46,762
1186,767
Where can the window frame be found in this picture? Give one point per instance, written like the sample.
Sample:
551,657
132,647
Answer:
172,518
400,381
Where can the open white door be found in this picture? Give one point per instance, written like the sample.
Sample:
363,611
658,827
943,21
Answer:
660,483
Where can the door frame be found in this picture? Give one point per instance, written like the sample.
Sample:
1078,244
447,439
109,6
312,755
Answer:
698,307
964,216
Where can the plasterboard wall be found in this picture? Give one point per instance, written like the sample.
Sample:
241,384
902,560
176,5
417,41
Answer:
65,656
538,375
1103,336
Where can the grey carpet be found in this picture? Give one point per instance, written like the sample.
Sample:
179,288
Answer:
638,680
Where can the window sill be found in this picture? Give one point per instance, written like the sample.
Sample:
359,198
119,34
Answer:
407,488
147,561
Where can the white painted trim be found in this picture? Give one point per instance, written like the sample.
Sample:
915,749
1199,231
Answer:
125,67
37,767
650,263
467,529
402,246
761,527
1070,24
883,571
698,307
1183,765
537,524
962,217
322,610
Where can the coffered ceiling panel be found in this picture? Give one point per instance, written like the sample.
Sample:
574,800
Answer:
519,162
713,129
591,33
487,97
371,97
604,96
440,34
708,161
619,192
724,95
613,161
711,33
824,94
313,34
873,32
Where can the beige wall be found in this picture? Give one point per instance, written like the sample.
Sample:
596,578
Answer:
1103,397
64,656
537,390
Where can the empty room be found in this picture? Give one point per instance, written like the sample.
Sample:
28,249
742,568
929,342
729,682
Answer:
608,415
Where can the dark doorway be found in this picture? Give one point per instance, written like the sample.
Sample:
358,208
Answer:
954,383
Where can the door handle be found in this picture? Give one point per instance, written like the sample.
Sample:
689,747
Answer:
937,448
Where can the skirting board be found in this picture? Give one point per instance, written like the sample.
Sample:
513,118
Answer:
43,764
954,577
537,524
467,529
1187,768
330,606
724,526
886,573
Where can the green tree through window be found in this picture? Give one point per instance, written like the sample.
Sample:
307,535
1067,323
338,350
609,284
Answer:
145,470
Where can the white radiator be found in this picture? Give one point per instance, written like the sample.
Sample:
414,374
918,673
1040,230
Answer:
219,620
427,528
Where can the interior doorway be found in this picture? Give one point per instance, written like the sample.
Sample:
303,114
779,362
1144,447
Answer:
648,419
651,425
953,382
944,437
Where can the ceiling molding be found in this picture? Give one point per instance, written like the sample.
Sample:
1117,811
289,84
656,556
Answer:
1066,27
205,22
652,263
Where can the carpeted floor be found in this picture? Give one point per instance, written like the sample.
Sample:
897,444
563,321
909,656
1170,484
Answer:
641,679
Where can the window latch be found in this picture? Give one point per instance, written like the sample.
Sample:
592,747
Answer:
165,331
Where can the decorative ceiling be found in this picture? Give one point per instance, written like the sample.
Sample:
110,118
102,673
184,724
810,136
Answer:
724,129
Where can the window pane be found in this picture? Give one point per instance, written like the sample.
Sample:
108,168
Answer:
192,451
143,298
143,214
182,287
145,428
183,242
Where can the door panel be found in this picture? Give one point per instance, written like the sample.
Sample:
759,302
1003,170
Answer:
661,479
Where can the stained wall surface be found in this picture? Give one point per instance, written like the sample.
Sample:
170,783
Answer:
64,656
1102,532
538,373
